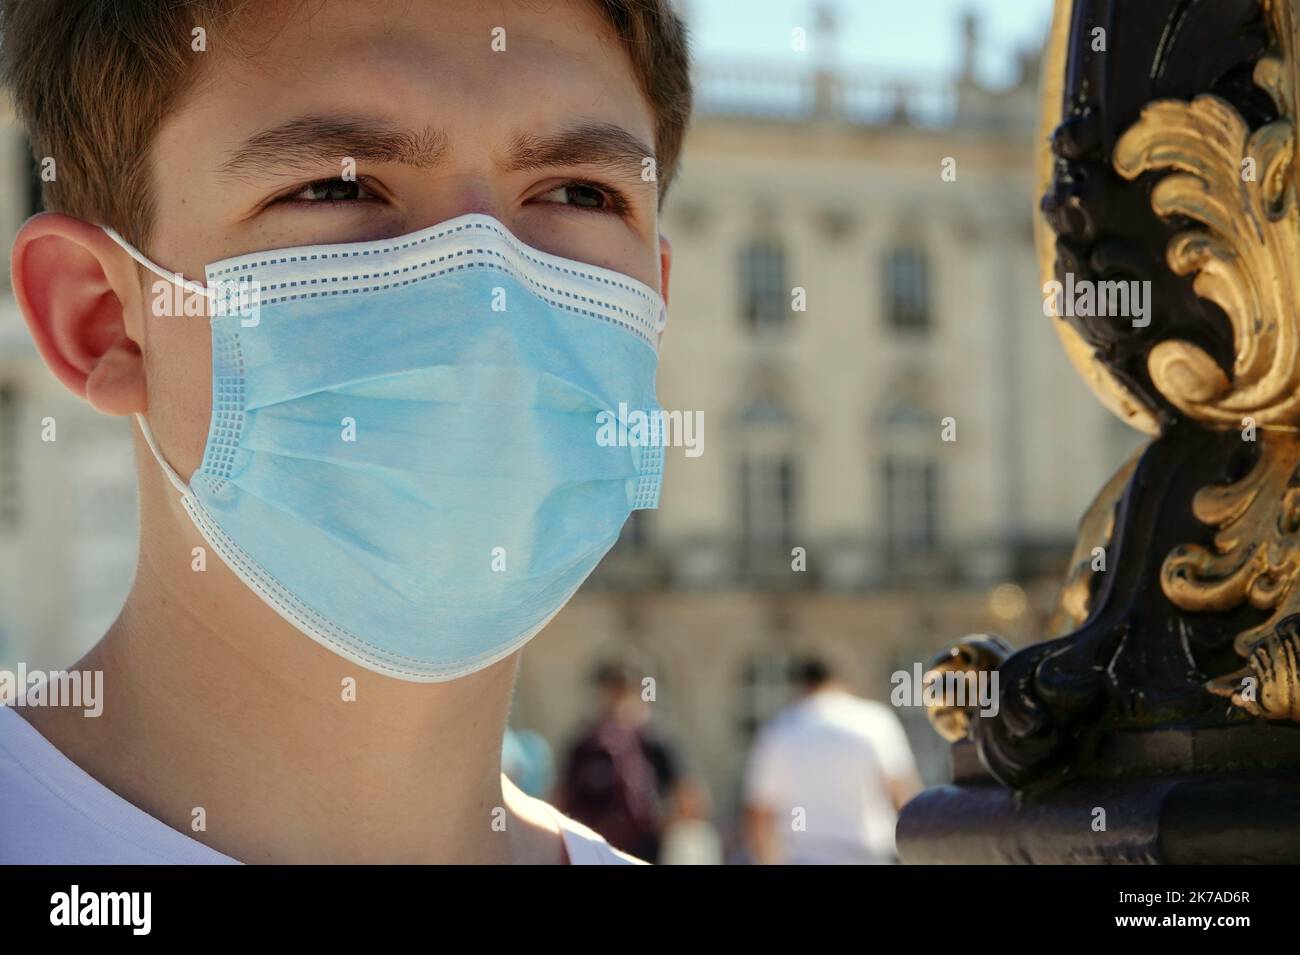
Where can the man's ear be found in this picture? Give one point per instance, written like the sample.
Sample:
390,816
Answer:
80,295
665,265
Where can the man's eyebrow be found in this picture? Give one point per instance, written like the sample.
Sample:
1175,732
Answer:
316,139
586,144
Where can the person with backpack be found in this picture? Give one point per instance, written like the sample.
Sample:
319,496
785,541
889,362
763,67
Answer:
621,776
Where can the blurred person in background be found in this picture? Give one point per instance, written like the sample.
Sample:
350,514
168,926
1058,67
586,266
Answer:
827,777
622,777
692,838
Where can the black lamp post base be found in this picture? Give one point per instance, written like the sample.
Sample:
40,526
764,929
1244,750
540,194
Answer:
1201,816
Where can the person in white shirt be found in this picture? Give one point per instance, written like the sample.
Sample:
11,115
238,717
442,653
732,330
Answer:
827,777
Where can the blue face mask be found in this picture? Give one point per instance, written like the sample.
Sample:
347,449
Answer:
406,457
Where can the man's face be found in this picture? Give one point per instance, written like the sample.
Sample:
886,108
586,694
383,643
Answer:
548,136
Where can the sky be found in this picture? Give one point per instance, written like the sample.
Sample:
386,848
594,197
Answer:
914,38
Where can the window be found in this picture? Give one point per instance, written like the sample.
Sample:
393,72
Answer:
907,290
764,690
911,504
767,480
767,492
908,436
9,463
763,294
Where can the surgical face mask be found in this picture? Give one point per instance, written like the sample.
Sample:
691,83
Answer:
405,455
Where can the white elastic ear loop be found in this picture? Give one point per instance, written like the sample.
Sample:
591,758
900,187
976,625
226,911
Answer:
144,260
190,286
157,454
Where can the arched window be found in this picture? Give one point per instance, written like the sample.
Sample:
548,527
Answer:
910,490
768,494
768,482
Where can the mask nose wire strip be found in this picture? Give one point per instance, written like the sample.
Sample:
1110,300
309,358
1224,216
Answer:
153,447
144,260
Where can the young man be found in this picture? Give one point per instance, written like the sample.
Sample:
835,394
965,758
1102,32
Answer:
388,445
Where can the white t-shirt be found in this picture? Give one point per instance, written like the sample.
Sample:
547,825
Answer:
822,766
53,812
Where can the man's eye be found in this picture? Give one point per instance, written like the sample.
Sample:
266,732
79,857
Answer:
330,190
581,195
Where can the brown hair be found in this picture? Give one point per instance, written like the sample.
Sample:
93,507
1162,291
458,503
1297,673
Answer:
92,79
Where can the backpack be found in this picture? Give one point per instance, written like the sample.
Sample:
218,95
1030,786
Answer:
611,786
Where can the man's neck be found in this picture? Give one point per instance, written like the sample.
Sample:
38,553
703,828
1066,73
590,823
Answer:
216,709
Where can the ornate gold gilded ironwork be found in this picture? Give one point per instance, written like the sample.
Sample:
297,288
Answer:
970,656
1256,554
1239,184
1095,530
1170,160
1269,684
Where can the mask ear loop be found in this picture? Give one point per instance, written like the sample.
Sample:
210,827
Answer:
157,454
188,286
153,267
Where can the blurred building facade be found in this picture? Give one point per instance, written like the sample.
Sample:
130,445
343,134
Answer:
822,427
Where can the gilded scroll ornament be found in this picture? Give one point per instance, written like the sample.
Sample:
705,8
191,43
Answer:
1256,552
1269,684
1239,185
